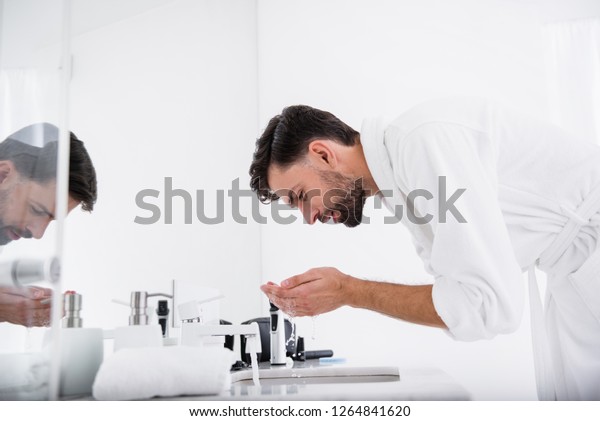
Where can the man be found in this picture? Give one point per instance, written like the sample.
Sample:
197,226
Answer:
27,205
522,193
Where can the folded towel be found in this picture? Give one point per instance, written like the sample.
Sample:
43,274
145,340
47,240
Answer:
143,373
24,376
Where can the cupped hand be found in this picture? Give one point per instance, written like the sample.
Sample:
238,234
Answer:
27,306
314,292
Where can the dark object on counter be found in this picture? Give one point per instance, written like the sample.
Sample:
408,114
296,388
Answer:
264,326
163,317
299,347
229,339
302,355
313,355
239,365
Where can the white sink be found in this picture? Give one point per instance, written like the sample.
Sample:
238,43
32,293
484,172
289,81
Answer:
345,382
319,375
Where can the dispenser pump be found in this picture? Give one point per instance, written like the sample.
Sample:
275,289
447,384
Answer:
138,303
72,306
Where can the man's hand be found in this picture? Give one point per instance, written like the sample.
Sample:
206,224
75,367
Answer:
314,292
27,306
325,289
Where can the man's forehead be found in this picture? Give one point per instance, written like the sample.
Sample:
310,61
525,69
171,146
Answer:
283,179
278,179
46,187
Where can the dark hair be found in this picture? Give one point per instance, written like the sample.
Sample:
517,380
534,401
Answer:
39,164
83,185
285,141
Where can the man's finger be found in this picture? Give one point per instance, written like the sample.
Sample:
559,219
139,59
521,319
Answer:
37,318
271,290
279,292
274,299
40,293
286,305
32,293
303,278
18,301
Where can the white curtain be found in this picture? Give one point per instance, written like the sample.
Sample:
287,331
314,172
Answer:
572,52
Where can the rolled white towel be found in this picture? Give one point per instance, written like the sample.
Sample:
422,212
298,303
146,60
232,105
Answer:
143,373
24,376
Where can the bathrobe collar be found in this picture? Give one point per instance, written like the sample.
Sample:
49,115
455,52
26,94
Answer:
377,157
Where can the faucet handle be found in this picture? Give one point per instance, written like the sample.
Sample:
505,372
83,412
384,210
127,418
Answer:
159,294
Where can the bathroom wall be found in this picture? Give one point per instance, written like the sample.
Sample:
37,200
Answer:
170,92
359,59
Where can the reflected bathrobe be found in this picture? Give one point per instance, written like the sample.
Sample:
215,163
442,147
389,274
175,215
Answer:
531,199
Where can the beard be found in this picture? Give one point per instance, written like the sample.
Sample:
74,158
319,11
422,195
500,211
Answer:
7,230
345,197
4,238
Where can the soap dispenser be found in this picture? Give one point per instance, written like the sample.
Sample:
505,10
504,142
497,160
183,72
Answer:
82,349
140,333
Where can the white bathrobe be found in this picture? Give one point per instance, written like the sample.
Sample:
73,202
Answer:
532,198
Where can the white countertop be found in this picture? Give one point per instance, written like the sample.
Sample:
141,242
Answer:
413,384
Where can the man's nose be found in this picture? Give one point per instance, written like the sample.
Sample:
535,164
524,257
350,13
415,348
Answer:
38,227
308,213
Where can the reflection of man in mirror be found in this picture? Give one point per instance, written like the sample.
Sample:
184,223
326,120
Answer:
28,169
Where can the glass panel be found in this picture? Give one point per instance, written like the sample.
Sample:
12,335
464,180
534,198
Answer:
31,108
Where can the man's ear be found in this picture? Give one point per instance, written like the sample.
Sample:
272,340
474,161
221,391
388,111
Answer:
322,153
7,171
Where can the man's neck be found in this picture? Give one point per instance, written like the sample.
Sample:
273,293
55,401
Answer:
363,171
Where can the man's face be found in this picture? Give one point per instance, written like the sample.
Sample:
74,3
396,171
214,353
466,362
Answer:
320,194
26,209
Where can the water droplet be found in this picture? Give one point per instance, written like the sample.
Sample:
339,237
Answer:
292,337
28,341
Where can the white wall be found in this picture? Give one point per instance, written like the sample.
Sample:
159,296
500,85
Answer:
560,10
364,58
167,93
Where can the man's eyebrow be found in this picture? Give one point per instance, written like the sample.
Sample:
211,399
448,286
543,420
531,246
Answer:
44,209
290,191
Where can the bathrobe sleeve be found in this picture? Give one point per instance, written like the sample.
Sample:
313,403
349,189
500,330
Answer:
478,289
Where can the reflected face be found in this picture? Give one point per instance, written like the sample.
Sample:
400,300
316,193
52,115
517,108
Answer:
321,195
26,208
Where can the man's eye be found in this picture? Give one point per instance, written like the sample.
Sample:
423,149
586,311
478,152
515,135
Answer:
37,211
